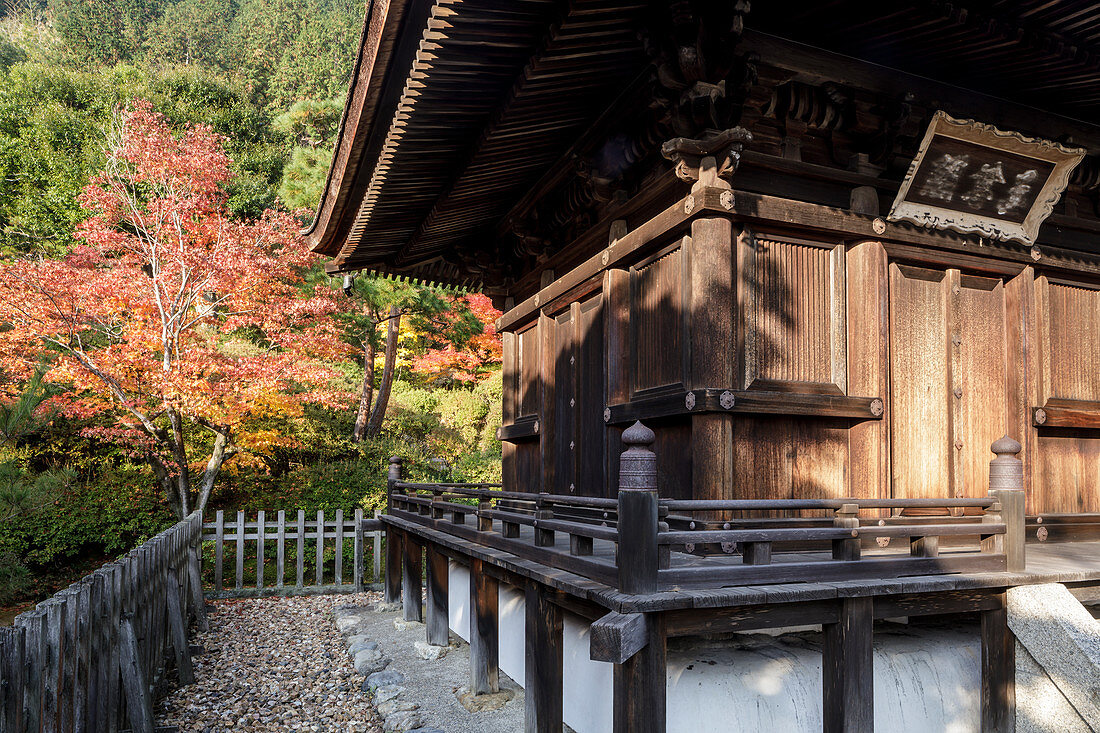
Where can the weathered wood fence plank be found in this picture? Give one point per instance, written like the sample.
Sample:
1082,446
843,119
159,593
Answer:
89,658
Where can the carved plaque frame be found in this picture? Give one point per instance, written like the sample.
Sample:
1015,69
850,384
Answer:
976,179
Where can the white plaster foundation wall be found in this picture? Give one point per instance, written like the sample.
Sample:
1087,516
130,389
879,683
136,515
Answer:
587,688
925,680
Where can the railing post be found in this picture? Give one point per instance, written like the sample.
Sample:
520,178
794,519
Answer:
393,540
638,557
847,516
393,478
1006,485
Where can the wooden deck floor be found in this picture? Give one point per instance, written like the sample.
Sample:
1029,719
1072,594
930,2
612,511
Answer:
1063,562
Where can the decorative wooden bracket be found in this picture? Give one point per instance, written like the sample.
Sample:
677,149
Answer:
524,428
1067,414
713,156
699,401
617,637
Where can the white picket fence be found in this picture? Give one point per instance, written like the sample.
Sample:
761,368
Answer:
300,538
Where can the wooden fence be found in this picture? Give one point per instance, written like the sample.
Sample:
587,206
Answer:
298,538
90,657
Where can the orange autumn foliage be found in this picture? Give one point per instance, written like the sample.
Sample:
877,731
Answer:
170,313
478,353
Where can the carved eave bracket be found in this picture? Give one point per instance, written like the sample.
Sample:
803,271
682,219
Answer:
710,160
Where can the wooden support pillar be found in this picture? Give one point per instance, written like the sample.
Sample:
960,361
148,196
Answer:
1006,485
412,573
713,340
639,684
998,672
847,670
484,625
543,676
438,622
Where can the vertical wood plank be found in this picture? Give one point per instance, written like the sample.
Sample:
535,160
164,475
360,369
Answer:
240,551
339,542
437,622
320,569
55,650
198,600
377,559
300,578
484,625
178,628
219,549
998,672
280,551
847,670
261,525
114,684
33,624
138,705
69,659
357,550
543,659
394,541
12,650
82,677
412,572
868,365
639,685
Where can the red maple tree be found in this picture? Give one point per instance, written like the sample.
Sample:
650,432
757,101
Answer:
177,326
471,358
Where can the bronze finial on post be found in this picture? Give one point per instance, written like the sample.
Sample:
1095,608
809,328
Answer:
638,560
1006,486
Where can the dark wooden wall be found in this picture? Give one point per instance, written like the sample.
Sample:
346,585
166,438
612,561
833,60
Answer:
960,351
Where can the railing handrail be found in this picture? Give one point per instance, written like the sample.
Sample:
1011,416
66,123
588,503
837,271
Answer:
780,504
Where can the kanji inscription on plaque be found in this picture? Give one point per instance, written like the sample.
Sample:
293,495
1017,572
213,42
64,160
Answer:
974,178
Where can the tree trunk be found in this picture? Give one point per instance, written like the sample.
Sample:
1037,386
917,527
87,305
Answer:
179,452
367,393
379,413
167,485
222,451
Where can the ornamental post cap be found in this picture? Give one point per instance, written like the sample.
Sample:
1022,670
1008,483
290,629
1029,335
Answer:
1006,446
638,434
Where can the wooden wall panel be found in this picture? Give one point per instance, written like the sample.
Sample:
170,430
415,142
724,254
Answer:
559,388
789,458
1067,472
591,398
1074,328
658,322
868,324
979,382
793,316
920,461
527,371
1066,468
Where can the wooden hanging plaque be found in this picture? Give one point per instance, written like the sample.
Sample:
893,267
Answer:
976,179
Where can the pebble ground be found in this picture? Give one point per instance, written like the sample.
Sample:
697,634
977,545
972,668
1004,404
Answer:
273,664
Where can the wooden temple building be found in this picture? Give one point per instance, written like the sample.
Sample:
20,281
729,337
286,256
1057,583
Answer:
821,256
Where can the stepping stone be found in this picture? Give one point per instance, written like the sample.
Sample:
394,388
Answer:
403,721
430,652
390,707
387,692
381,679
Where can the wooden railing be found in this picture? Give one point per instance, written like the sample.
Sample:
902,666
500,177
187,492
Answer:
89,657
642,544
306,546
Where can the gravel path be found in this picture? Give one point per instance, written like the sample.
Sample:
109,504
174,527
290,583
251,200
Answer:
273,664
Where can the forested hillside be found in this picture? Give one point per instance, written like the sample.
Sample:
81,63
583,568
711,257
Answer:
398,368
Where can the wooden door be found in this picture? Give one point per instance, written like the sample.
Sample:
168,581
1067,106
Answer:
947,380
